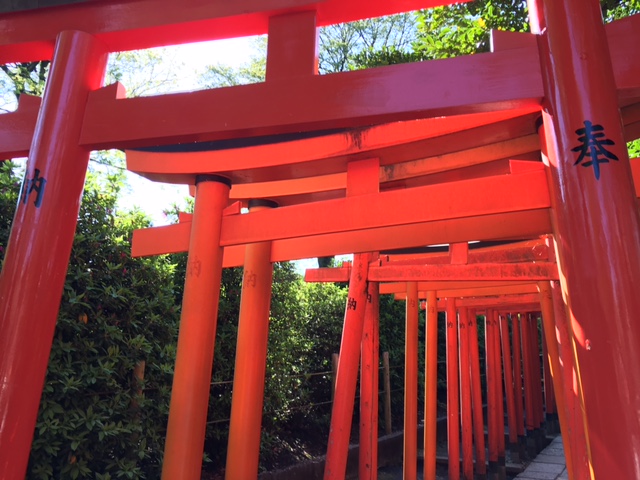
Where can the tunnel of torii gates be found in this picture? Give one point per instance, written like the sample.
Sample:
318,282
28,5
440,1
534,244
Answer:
526,143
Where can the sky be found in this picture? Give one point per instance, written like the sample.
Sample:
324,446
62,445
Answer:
152,197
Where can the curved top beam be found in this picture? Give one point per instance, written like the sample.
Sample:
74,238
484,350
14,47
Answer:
309,156
130,25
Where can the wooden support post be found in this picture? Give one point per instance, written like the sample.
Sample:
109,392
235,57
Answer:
35,265
502,465
410,460
430,387
464,330
517,382
529,406
595,216
508,387
453,392
492,401
196,340
537,380
548,319
335,358
243,452
369,378
476,396
342,412
387,393
550,409
573,433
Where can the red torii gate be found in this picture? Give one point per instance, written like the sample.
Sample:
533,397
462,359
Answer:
570,72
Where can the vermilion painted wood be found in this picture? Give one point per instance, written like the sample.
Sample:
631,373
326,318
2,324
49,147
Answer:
508,382
482,196
528,374
196,340
328,187
464,327
529,251
517,374
130,25
494,302
464,288
594,216
451,142
292,48
492,400
499,395
488,271
575,428
362,179
453,390
476,396
245,426
369,378
508,226
556,367
35,264
17,128
410,452
345,390
535,339
341,100
430,386
549,395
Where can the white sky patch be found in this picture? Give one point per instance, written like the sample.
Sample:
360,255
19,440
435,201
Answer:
153,197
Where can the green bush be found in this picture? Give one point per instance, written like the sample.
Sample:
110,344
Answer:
96,420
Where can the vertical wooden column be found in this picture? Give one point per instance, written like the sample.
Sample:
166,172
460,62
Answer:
555,370
196,339
430,387
492,401
574,430
502,461
517,382
369,379
551,416
508,387
243,452
362,178
347,378
453,391
476,396
537,380
410,457
464,330
529,406
595,216
40,243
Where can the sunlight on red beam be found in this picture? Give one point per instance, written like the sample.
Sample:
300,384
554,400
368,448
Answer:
459,286
175,238
623,36
533,250
468,198
496,271
392,143
483,83
323,275
494,302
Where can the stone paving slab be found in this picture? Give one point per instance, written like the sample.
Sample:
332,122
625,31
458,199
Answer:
548,465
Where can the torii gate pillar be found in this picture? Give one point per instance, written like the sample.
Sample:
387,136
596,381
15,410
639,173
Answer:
40,244
597,226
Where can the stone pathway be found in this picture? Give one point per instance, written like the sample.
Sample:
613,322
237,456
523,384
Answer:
548,465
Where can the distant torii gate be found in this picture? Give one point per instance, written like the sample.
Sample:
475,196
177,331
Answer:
574,70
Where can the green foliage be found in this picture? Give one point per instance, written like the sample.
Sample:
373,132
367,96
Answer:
96,420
